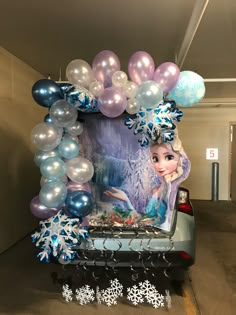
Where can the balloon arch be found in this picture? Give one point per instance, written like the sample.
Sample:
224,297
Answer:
149,98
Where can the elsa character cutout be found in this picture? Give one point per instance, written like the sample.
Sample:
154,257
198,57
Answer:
172,166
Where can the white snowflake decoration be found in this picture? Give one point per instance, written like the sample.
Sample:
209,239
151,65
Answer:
135,295
147,288
116,287
154,123
58,236
156,299
67,293
84,295
109,297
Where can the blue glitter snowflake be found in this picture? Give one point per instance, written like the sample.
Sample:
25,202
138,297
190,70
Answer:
58,236
82,99
155,123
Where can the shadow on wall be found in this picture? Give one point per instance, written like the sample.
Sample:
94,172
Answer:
19,184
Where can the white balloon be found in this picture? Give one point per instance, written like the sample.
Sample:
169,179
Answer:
119,79
79,170
132,106
130,89
96,88
79,72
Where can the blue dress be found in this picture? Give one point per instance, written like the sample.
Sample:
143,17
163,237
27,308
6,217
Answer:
156,209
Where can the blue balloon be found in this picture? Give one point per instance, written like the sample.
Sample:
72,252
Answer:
53,194
64,86
189,90
53,168
48,119
45,92
79,203
68,148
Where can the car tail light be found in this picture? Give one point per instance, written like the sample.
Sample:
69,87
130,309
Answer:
184,203
184,255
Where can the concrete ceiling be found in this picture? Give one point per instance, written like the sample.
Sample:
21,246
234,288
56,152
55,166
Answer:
199,35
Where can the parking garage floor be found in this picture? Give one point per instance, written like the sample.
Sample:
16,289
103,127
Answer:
30,287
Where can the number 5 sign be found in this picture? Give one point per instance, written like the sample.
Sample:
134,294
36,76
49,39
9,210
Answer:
212,154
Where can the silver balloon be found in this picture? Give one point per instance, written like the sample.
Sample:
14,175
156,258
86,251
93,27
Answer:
79,170
46,136
76,129
53,194
132,106
63,114
41,156
79,72
44,180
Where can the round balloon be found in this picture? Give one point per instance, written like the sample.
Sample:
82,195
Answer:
40,211
141,67
132,106
46,92
53,168
112,102
149,94
104,65
76,129
79,72
119,79
41,156
189,90
73,186
96,88
69,136
130,89
44,180
167,75
79,203
63,114
48,119
68,148
46,136
79,170
82,99
53,194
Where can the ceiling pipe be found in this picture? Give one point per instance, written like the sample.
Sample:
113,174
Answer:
220,80
197,14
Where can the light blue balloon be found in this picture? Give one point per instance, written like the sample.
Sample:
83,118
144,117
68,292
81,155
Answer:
53,168
149,94
41,156
190,89
53,194
68,148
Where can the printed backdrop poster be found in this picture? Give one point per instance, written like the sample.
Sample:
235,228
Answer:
132,185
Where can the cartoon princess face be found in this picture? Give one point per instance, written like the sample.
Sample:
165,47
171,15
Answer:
165,160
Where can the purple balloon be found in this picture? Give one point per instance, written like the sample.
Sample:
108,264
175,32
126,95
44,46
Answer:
40,211
112,102
73,186
104,65
141,67
167,75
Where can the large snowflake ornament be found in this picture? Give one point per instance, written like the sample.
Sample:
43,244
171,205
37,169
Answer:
84,295
135,295
58,236
109,297
116,287
155,123
67,293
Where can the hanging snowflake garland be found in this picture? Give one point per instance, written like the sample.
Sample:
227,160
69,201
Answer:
67,293
85,295
155,123
58,236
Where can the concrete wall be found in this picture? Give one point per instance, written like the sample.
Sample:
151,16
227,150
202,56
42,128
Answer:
19,176
203,128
